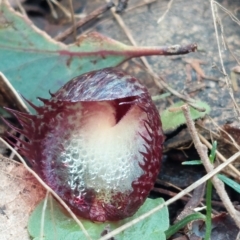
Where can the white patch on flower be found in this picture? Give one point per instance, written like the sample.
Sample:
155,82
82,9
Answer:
101,154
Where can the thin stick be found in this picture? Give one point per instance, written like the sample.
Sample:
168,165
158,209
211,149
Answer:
166,12
129,35
53,11
163,84
172,200
228,81
73,21
63,9
48,189
202,151
62,36
21,8
159,81
231,15
140,5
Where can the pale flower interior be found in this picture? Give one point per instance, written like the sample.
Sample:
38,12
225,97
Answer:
103,154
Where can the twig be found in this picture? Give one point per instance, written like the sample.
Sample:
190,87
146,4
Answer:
228,81
127,32
172,50
131,52
147,2
169,193
62,36
168,184
62,8
202,151
188,198
190,101
21,8
166,12
172,200
53,11
48,189
231,15
73,21
159,81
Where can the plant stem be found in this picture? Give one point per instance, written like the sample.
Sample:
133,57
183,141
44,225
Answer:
208,221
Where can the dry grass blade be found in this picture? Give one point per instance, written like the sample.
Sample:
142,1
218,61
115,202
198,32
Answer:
232,16
146,2
53,11
129,35
62,36
166,12
216,20
21,8
63,9
73,20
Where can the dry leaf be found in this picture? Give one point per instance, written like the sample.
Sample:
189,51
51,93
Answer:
19,194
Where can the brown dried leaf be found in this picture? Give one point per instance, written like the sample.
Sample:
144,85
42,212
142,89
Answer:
19,194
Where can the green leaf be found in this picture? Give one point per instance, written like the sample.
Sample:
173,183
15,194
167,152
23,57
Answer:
229,182
182,223
172,120
35,64
192,162
58,225
213,152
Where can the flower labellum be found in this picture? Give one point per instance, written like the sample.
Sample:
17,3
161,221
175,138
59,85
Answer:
97,143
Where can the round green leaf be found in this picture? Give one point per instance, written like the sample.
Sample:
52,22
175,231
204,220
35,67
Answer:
58,225
173,119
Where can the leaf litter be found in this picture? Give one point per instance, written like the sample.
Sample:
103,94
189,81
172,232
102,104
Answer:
19,194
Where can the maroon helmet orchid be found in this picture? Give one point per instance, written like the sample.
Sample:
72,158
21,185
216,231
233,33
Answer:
97,143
